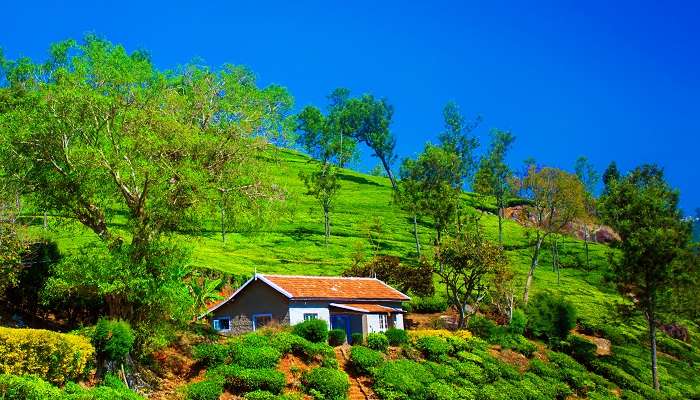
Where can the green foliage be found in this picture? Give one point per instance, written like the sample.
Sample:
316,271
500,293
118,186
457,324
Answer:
396,336
518,322
377,341
313,330
323,185
241,379
427,305
113,339
364,360
551,316
433,347
260,395
402,379
53,356
482,326
358,338
209,389
336,337
416,279
581,349
30,387
254,357
326,383
211,354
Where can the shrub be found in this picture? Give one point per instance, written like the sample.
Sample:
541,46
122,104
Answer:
377,341
313,330
402,379
518,322
242,379
364,360
582,349
427,305
26,388
514,342
53,356
113,339
396,336
336,337
326,383
482,326
550,316
211,354
357,338
260,395
254,357
209,389
433,347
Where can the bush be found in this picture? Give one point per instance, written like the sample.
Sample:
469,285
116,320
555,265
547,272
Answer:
514,342
396,336
336,337
313,330
242,379
377,341
402,379
209,389
254,357
211,354
260,395
53,356
427,305
482,326
433,348
582,349
364,360
357,338
113,339
326,383
26,388
551,316
518,322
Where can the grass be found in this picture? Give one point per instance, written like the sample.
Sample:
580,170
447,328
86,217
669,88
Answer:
294,244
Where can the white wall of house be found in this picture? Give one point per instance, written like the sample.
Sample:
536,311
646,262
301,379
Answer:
297,311
398,322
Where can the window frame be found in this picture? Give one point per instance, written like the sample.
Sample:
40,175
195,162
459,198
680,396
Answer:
260,315
217,319
383,322
310,316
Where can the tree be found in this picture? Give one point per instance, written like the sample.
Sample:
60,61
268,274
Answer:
643,209
610,175
324,137
588,176
494,176
97,131
367,120
456,139
556,199
408,195
417,279
323,185
468,263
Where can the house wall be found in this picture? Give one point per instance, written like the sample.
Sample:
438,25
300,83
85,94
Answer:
373,323
297,309
398,322
256,298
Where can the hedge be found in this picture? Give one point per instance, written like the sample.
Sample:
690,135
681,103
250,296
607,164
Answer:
364,360
53,356
242,379
209,389
377,341
313,330
326,383
255,357
396,336
30,387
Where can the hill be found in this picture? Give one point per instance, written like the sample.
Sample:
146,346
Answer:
364,217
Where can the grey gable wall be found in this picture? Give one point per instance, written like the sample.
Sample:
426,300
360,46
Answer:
256,298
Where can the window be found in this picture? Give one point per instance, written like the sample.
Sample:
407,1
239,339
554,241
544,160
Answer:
260,320
222,324
383,324
310,316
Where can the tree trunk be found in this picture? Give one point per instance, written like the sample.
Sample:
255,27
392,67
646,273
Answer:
531,273
415,233
388,172
223,224
500,224
327,224
46,222
652,341
585,246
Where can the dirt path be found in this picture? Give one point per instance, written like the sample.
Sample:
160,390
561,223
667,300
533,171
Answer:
602,345
359,385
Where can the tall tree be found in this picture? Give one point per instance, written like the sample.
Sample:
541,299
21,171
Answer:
610,175
323,136
589,177
457,138
468,264
494,176
557,198
408,195
97,130
323,185
643,209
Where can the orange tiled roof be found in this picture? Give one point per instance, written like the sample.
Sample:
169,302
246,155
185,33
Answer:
367,308
335,288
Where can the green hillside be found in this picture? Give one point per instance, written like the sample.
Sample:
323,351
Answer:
294,244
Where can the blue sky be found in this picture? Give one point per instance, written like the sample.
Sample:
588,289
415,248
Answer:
608,80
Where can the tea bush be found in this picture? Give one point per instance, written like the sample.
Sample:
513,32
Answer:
518,322
377,341
313,330
241,379
364,360
211,354
396,337
357,338
254,357
326,383
550,316
336,337
426,305
113,339
53,356
209,389
402,379
481,326
433,348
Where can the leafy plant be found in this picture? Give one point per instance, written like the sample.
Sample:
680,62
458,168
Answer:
336,337
313,330
326,383
113,339
364,360
396,336
377,341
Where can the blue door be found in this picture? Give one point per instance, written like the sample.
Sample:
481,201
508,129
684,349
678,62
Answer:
342,322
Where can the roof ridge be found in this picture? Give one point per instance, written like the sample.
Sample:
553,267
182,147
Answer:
324,277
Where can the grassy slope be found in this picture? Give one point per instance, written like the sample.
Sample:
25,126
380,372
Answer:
294,244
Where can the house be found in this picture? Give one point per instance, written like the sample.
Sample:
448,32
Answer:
356,305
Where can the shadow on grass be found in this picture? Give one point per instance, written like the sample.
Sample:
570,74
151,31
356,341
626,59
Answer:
357,179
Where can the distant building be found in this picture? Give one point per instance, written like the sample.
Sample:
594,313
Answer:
356,305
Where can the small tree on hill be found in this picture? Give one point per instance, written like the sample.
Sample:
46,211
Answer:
323,185
589,178
655,262
494,176
468,263
408,195
556,199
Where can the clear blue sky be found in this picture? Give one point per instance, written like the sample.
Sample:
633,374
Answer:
609,80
